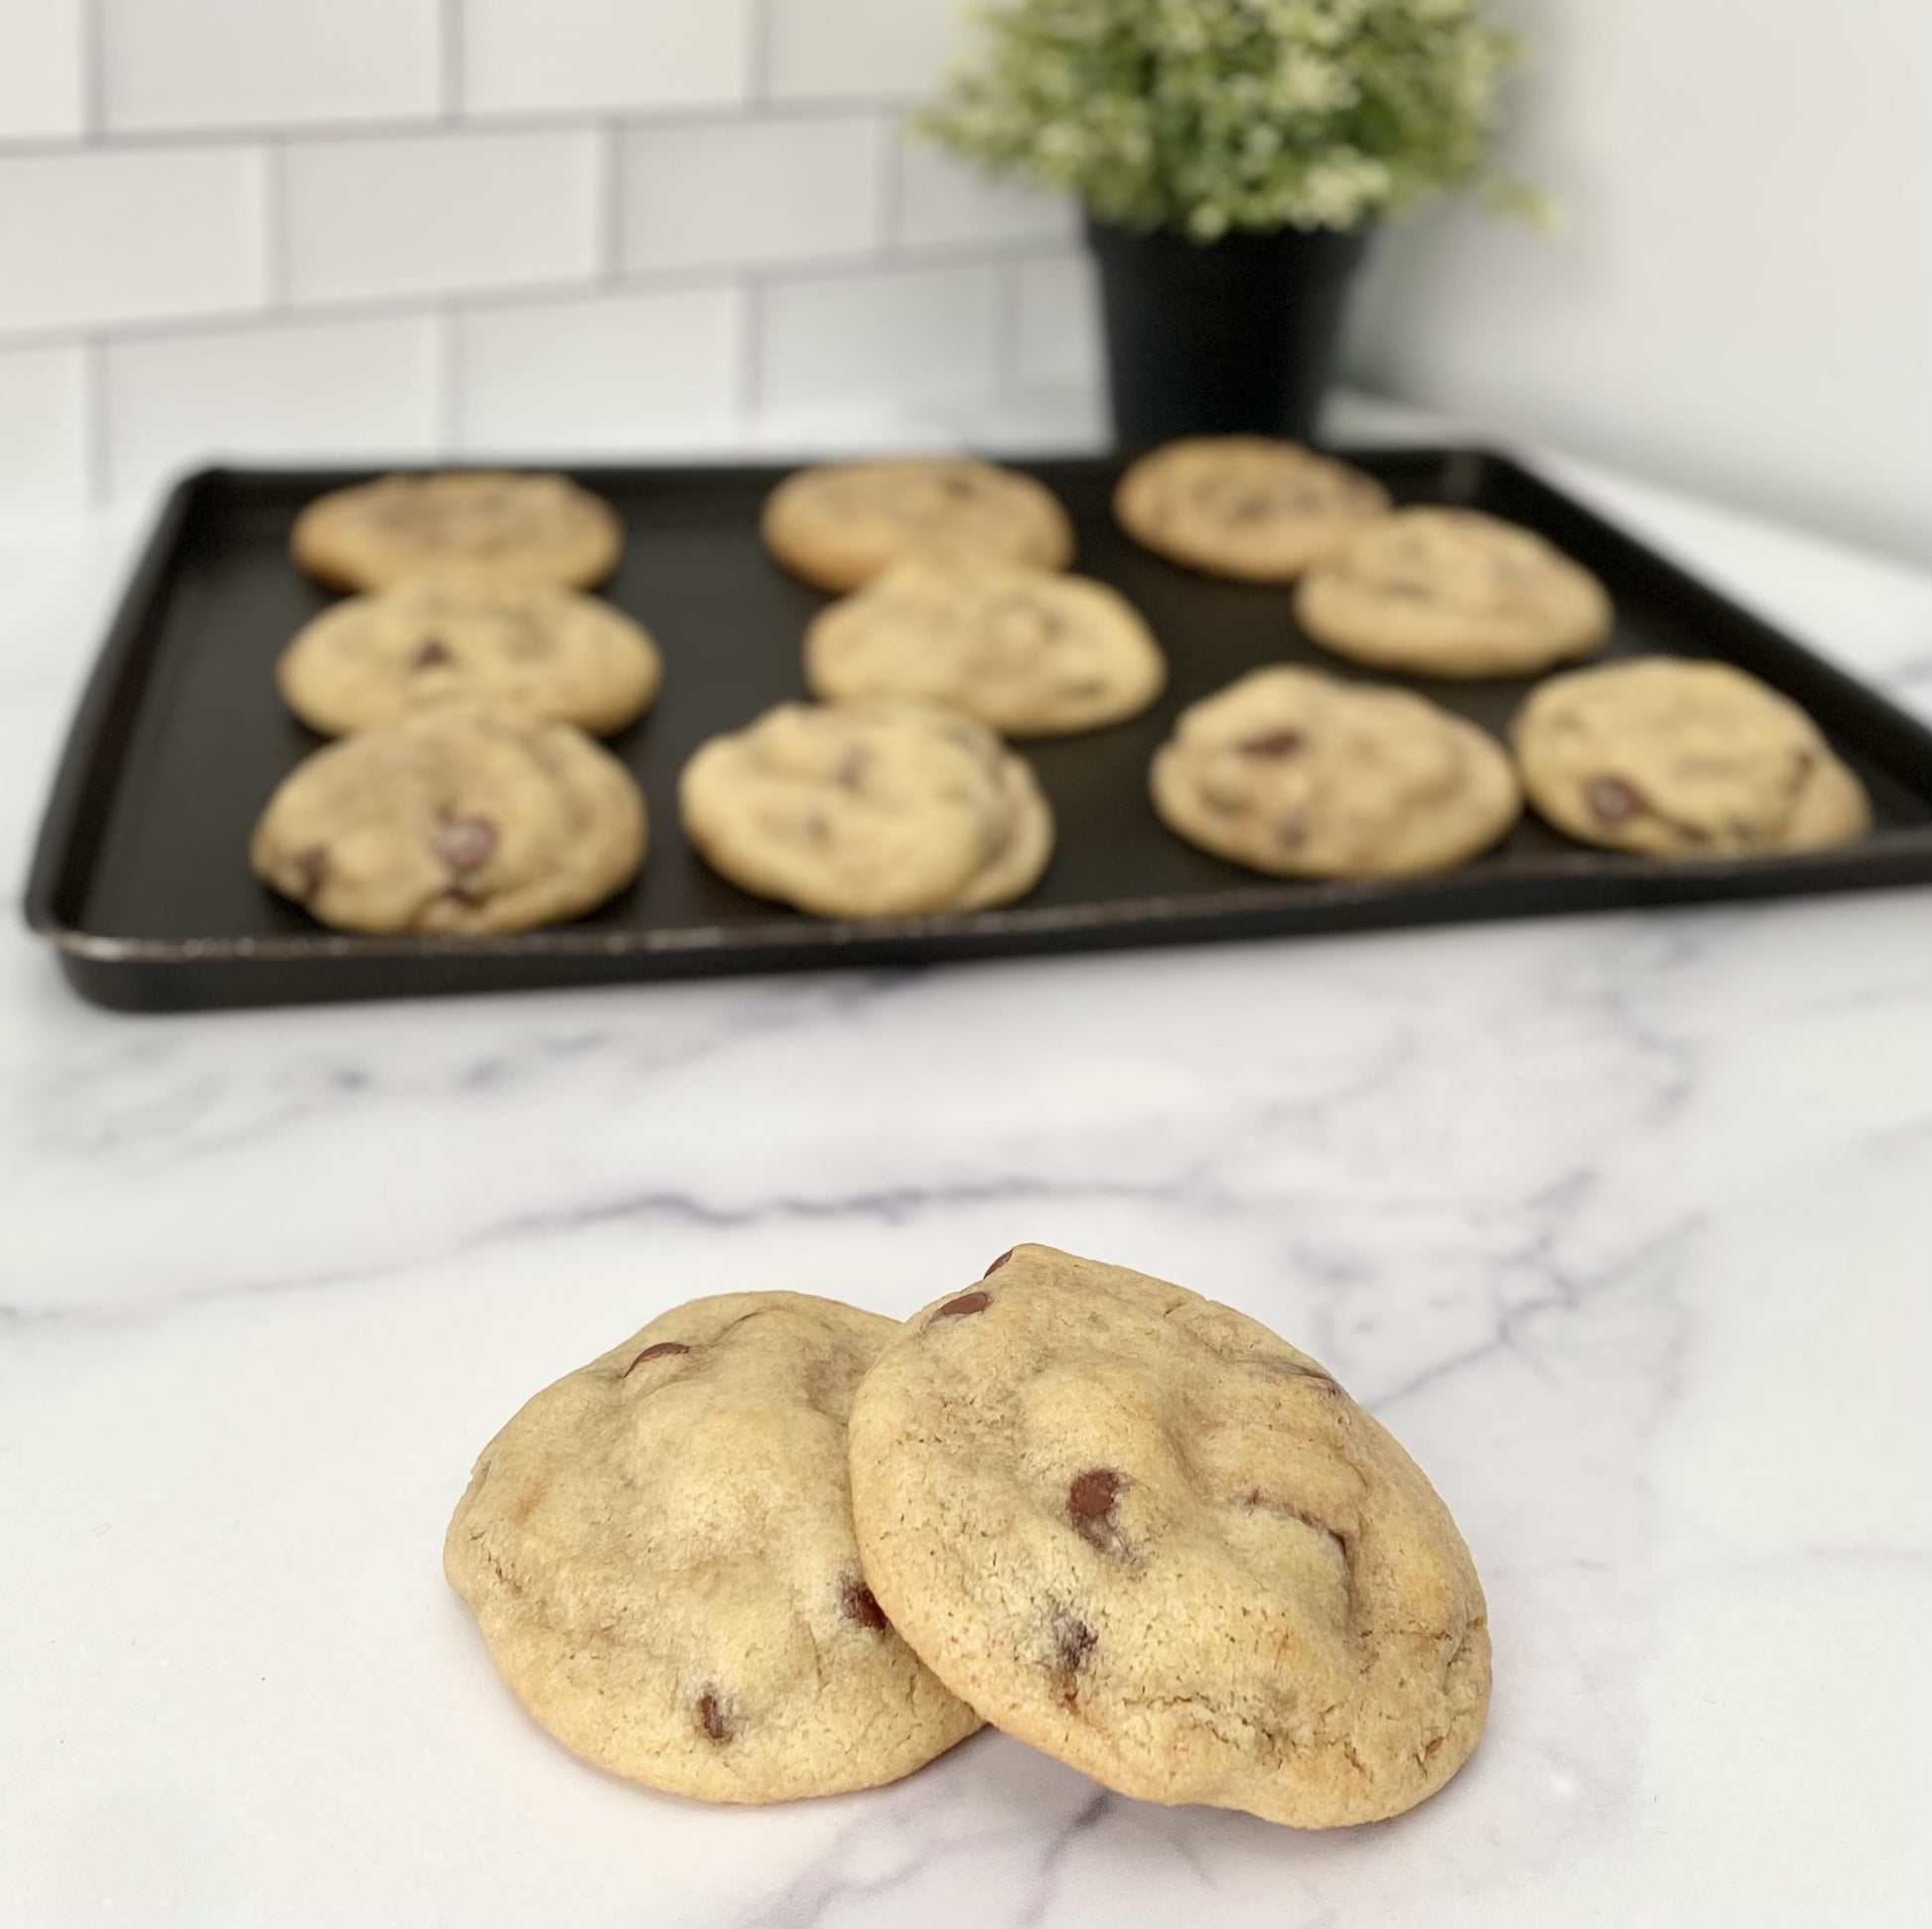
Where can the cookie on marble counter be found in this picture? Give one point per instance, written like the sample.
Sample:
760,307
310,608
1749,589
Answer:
840,525
459,819
1299,774
1678,759
527,647
1030,651
1452,593
658,1550
1245,507
483,525
1137,1529
867,810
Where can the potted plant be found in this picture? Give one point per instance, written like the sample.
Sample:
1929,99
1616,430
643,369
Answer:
1232,157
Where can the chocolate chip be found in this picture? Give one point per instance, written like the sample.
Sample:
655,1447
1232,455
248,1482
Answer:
997,1263
311,869
850,772
1613,800
1090,1504
712,1717
657,1352
1294,828
1073,1641
856,1603
1276,743
464,843
430,656
966,1303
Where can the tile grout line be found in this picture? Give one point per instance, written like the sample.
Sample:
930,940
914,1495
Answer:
93,69
428,126
323,310
450,62
758,52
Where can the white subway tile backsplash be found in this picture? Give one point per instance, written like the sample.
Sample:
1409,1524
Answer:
1056,333
569,56
443,214
88,238
896,331
834,49
42,428
629,372
942,201
267,62
42,92
752,191
331,389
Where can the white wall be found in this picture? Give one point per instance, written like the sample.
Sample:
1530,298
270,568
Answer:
374,228
1743,299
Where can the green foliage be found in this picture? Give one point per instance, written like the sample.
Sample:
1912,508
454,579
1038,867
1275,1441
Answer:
1206,115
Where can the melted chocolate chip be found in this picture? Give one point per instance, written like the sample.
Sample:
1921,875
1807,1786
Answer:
712,1717
1073,1641
1276,743
663,1348
966,1303
1613,800
1294,828
850,772
311,869
1090,1504
856,1603
997,1263
430,656
464,843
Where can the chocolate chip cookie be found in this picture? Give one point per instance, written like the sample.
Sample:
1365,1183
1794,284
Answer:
1244,505
659,1551
841,525
1683,760
458,819
867,810
1302,776
1137,1529
481,524
1028,651
526,647
1452,593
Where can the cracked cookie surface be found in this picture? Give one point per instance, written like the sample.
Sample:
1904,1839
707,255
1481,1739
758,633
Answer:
459,819
1452,593
1678,759
1138,1530
659,1554
842,524
1245,507
1299,774
522,647
867,810
1032,652
483,525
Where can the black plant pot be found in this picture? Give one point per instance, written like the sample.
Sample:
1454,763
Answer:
1221,336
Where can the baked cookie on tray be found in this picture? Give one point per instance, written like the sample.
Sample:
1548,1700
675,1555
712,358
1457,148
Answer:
1452,593
840,525
457,820
867,810
1678,759
1032,652
540,651
659,1554
1303,775
1137,1529
1245,507
487,525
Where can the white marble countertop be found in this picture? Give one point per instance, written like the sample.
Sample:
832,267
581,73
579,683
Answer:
1621,1222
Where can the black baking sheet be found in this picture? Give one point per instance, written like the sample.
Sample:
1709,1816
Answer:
141,879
